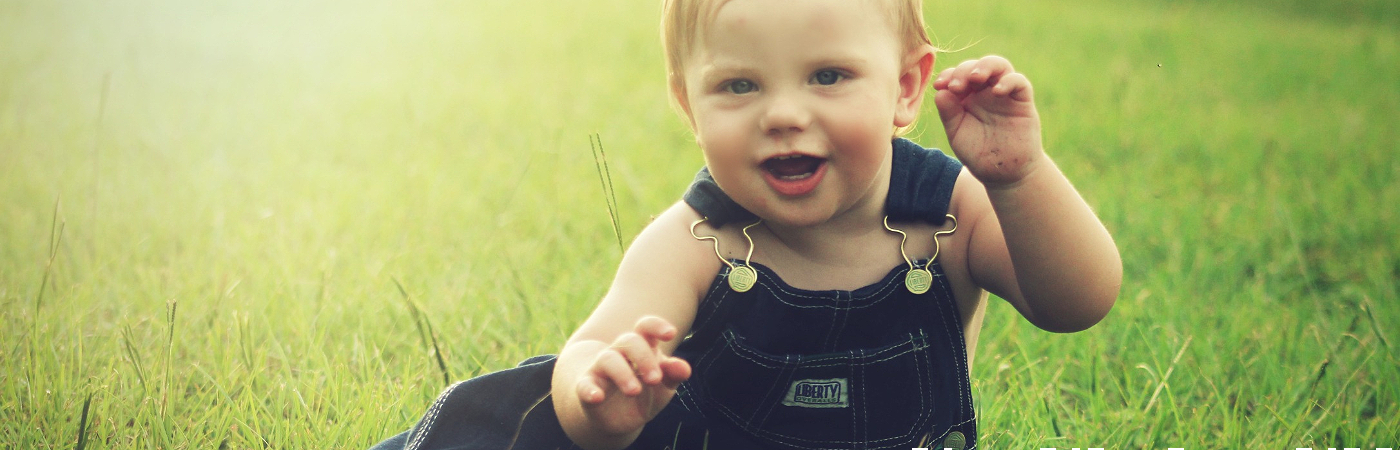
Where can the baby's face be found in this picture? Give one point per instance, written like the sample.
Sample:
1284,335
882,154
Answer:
794,103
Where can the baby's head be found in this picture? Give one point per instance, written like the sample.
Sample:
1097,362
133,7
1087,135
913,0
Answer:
794,102
684,21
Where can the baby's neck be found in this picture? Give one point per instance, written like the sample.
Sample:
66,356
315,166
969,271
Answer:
817,259
846,240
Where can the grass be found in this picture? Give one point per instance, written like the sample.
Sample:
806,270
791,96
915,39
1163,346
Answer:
224,223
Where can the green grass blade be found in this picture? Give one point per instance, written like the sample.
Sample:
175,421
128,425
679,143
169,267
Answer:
83,424
425,332
600,162
55,240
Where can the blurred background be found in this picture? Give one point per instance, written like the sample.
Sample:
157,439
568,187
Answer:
284,224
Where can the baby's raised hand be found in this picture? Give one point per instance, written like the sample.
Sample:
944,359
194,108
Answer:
990,117
633,379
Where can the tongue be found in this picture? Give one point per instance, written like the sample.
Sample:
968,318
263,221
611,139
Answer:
792,167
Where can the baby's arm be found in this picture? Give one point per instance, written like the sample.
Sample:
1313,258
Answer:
616,373
1034,241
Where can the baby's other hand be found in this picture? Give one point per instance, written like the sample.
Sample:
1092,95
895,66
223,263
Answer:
633,379
989,114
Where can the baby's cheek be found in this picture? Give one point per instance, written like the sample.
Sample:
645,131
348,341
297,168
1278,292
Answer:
723,142
719,130
867,116
864,130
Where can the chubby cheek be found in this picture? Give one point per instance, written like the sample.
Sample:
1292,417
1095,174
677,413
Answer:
865,117
727,147
861,128
723,141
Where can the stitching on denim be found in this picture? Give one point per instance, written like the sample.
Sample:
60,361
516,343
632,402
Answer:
775,285
864,411
845,319
749,426
837,360
718,302
684,395
790,440
851,372
923,380
959,363
702,364
704,361
770,362
779,382
918,344
881,294
959,349
827,342
430,419
767,394
774,437
732,415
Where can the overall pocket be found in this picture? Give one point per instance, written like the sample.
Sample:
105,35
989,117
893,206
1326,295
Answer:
861,398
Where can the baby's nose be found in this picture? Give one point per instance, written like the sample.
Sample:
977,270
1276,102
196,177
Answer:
785,114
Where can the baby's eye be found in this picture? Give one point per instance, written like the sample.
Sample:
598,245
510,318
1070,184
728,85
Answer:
827,77
740,86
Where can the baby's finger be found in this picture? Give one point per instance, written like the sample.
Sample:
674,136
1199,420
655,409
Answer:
987,69
641,355
655,329
592,389
957,80
941,82
612,366
676,370
1013,85
949,106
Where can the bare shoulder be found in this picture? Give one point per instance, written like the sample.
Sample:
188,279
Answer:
666,248
664,273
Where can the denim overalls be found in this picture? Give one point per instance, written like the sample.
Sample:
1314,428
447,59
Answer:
774,367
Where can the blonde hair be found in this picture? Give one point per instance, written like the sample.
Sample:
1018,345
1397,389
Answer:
683,20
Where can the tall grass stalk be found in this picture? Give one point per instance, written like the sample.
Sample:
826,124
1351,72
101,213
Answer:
169,356
1167,376
56,228
600,163
133,356
425,332
83,424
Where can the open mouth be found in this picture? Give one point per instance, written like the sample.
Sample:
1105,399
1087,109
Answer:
794,175
793,167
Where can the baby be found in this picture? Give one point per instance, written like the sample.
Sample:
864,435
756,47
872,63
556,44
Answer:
794,104
823,283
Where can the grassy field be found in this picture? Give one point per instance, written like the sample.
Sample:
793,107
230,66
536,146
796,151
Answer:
207,209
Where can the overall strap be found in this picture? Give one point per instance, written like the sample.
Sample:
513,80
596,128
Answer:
921,183
706,198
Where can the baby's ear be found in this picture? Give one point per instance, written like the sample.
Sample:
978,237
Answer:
913,82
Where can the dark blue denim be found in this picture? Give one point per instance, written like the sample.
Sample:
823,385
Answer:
874,368
774,367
